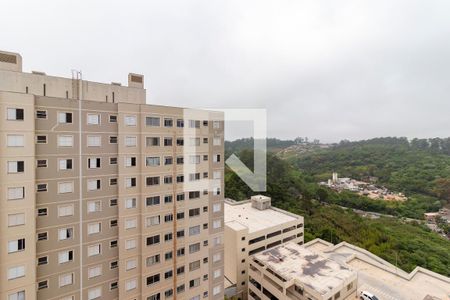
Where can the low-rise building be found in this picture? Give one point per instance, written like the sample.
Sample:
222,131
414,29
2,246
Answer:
253,226
291,271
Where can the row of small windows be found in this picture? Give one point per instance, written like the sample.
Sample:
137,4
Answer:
18,114
16,193
18,140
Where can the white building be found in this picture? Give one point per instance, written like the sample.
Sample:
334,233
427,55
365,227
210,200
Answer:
253,226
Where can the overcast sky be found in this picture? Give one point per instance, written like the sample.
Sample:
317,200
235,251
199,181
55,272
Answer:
330,70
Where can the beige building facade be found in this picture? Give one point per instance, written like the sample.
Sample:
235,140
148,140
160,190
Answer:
104,196
253,226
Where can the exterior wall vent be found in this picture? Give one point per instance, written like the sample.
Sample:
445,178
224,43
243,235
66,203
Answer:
38,72
116,83
261,202
137,79
8,58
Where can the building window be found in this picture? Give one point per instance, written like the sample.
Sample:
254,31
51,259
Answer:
153,240
41,187
41,114
112,119
130,284
153,200
167,141
152,141
194,283
42,212
153,279
65,117
130,161
154,297
16,246
152,221
130,244
194,124
180,123
168,122
66,279
113,160
130,120
41,163
130,223
65,256
216,207
16,272
65,210
113,139
130,141
65,187
42,236
94,163
113,202
94,271
65,141
94,250
130,182
94,141
152,161
94,228
65,233
93,184
194,230
65,164
20,295
16,167
94,206
42,284
114,265
152,180
153,260
15,140
194,212
152,121
130,203
216,290
15,114
93,119
16,193
16,219
95,293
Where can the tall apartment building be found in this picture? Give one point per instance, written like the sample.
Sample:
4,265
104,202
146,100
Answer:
104,196
253,226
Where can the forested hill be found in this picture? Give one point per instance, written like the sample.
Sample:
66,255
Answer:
389,238
416,167
272,144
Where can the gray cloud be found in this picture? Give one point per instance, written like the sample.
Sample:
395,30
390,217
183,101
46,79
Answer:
324,69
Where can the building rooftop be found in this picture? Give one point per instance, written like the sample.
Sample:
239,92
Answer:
381,278
309,269
241,215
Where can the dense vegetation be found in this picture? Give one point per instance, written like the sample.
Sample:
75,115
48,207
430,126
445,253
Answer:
409,245
272,144
420,169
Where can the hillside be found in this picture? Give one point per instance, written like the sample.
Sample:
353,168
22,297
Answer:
391,239
422,173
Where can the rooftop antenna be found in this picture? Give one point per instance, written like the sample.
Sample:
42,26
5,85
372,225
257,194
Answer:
77,77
